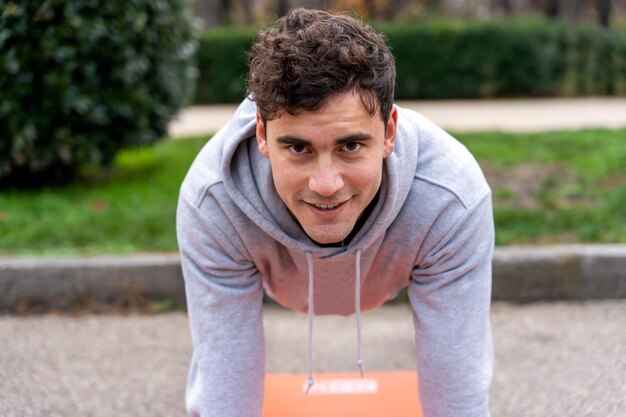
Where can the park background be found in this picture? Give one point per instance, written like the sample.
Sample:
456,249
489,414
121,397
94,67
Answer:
89,179
88,95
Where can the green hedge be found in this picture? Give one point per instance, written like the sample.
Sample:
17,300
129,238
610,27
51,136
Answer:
222,60
82,79
450,59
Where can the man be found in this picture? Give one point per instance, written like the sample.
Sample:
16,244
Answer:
331,199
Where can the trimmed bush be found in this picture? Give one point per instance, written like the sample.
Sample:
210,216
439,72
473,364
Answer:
476,59
452,59
82,79
600,62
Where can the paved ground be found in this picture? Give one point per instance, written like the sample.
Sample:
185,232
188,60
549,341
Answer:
553,359
523,115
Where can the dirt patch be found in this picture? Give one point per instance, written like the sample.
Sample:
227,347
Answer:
616,180
530,186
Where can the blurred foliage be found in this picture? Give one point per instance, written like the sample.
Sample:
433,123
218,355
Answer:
439,59
222,59
82,79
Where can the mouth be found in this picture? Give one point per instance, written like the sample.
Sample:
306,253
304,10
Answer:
327,207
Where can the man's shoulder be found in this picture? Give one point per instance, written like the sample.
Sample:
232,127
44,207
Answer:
444,163
203,174
209,166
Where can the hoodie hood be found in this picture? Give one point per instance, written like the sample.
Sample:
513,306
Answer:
247,177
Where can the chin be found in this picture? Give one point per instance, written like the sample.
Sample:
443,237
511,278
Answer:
326,239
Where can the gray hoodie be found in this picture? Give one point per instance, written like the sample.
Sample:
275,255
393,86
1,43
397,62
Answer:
431,230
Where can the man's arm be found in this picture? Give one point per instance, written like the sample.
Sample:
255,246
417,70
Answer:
224,302
450,293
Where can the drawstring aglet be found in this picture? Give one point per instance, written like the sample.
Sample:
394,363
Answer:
359,364
310,384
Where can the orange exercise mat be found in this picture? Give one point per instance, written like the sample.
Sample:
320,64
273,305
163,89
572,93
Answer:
378,394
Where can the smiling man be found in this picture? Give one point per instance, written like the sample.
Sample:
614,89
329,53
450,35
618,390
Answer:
326,196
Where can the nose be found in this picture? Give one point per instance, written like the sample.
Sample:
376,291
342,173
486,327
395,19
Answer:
326,180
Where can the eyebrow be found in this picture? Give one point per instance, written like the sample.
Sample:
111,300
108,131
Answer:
294,140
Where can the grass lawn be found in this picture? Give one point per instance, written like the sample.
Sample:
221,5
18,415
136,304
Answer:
563,187
127,208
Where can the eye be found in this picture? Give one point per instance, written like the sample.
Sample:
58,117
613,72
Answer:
298,149
352,146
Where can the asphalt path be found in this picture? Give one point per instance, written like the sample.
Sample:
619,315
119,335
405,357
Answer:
558,359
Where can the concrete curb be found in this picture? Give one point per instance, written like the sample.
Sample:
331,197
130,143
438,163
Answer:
521,274
27,283
567,272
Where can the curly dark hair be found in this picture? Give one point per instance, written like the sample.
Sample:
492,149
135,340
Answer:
310,56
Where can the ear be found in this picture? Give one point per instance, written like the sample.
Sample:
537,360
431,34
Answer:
390,132
261,140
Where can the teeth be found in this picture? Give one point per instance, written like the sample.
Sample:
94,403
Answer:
326,206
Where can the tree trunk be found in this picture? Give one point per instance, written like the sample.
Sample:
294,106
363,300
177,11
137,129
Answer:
604,12
282,7
552,9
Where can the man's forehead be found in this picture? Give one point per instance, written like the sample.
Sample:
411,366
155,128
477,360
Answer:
368,104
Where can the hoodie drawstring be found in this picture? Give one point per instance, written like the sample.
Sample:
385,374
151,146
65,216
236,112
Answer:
357,309
310,382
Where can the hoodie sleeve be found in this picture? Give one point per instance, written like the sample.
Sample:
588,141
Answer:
450,293
224,302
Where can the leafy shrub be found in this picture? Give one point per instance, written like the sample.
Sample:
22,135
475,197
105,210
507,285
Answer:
506,58
82,79
600,61
452,59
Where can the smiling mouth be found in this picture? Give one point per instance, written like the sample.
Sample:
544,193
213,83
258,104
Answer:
326,206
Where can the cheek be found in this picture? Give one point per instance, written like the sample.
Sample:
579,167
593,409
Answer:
287,180
367,176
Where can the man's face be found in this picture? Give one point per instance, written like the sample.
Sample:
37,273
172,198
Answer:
327,165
